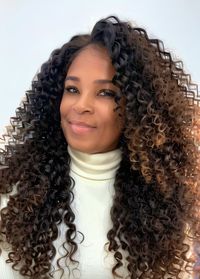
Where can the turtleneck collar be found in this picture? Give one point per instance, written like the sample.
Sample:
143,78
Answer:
100,166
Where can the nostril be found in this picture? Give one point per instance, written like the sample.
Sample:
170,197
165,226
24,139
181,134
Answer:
81,109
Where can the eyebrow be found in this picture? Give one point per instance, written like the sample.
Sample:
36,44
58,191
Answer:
101,81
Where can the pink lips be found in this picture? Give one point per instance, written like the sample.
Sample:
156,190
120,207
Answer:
80,127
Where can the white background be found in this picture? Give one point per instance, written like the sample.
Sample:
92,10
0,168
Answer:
31,29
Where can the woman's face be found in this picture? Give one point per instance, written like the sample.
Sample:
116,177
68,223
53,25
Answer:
88,119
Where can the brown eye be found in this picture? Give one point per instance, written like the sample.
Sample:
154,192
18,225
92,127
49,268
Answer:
107,93
71,90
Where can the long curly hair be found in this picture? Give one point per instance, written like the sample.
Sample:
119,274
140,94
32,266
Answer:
155,208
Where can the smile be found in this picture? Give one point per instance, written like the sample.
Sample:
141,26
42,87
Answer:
80,127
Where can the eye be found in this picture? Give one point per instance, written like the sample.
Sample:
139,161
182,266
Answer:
107,93
71,89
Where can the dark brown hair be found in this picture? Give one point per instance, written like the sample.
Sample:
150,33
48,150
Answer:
156,202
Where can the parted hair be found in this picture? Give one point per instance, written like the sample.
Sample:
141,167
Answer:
155,207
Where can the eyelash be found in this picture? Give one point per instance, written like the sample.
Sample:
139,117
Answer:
109,93
68,88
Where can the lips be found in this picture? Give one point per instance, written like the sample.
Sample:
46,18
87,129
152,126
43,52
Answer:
81,124
79,127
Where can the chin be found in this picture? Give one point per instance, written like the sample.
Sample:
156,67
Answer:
90,149
83,148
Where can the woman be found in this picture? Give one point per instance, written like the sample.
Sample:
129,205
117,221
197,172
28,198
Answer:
100,176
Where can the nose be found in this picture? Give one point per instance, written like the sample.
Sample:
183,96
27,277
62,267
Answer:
84,104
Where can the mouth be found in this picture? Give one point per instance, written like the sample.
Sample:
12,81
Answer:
78,127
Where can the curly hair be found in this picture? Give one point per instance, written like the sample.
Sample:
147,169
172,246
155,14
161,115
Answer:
155,208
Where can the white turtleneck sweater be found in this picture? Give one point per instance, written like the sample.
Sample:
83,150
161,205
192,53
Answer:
94,176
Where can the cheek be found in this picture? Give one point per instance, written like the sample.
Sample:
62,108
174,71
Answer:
64,107
61,107
119,124
116,122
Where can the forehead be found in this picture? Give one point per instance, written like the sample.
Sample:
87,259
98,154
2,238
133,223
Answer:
92,59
